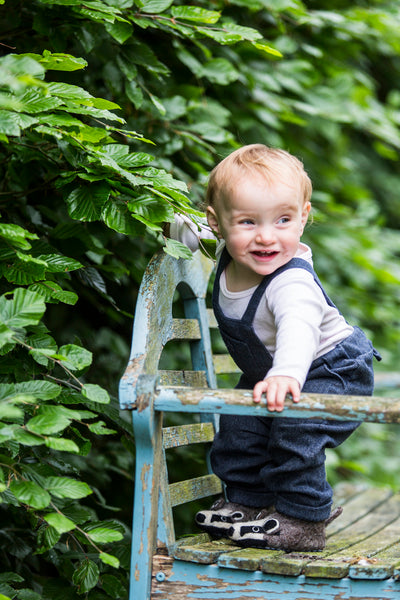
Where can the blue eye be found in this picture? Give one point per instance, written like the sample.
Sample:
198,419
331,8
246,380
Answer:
283,220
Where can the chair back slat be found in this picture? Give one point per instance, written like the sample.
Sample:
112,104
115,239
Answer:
184,435
194,489
169,378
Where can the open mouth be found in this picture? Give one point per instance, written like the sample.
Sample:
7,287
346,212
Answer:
265,253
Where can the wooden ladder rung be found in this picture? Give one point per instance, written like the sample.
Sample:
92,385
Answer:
185,329
183,435
235,401
193,489
170,378
224,363
212,321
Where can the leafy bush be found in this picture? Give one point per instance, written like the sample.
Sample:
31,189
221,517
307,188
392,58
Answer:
112,112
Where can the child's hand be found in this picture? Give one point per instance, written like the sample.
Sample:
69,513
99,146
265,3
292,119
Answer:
275,389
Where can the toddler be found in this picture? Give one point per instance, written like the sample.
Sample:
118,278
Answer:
285,335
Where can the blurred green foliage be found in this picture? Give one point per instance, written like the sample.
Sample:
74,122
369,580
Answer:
112,113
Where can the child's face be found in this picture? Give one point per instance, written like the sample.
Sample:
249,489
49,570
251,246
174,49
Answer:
261,225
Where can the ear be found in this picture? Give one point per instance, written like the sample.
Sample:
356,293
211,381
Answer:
304,214
212,220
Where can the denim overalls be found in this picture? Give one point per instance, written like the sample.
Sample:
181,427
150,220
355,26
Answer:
273,460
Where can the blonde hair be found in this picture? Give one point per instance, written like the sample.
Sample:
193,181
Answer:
273,164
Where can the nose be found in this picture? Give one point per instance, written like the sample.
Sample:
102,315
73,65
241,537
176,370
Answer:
265,234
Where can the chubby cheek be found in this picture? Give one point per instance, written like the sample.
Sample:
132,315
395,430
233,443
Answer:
236,242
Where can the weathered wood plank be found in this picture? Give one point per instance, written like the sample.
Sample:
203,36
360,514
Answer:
345,491
185,329
182,580
356,525
224,363
354,541
212,321
193,489
279,562
248,559
201,549
183,435
358,501
233,401
357,506
182,378
382,564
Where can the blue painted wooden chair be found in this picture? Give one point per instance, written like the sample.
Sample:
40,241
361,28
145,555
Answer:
362,555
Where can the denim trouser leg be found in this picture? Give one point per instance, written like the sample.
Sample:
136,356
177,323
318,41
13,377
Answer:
265,460
239,454
281,461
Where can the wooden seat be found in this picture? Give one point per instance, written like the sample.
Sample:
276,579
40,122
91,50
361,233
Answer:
362,555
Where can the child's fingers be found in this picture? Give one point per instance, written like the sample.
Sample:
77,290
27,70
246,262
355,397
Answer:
295,394
258,391
276,389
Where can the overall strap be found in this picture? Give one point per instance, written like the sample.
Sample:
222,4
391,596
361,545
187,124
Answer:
294,263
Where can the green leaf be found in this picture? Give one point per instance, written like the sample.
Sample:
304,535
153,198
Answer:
27,594
108,559
28,439
57,263
113,586
246,33
8,412
9,123
208,248
75,357
6,335
52,292
26,308
220,35
52,419
72,92
95,393
267,48
25,269
16,235
65,487
60,523
219,70
100,428
117,216
176,249
59,61
158,104
86,576
120,31
35,101
8,577
195,13
61,444
48,422
104,535
29,492
134,93
86,202
46,390
153,6
18,71
47,538
152,209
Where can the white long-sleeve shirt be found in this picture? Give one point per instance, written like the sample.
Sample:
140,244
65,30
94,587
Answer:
293,319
